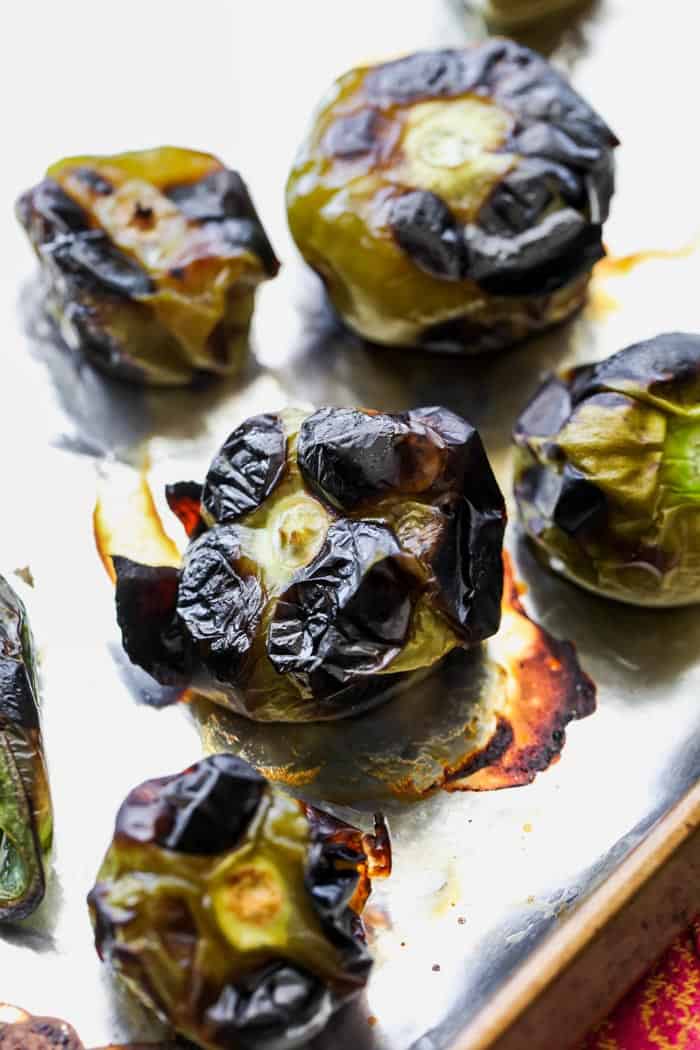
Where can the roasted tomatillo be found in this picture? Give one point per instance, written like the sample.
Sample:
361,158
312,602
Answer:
331,555
608,472
151,261
453,199
232,910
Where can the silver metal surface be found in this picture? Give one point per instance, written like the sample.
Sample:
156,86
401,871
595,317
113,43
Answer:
479,879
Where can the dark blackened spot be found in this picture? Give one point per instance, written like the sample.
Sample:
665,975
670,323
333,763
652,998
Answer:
223,198
246,469
94,181
185,501
335,859
221,195
581,507
204,810
47,212
143,216
177,272
663,366
468,567
537,490
347,456
218,605
17,700
428,232
347,613
212,804
278,1004
13,623
468,563
249,235
546,414
518,201
552,143
353,135
146,603
92,262
425,74
100,346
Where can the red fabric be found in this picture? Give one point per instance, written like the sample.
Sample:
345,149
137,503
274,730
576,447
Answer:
663,1011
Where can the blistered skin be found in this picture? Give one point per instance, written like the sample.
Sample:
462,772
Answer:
151,261
26,820
331,556
453,199
232,910
608,472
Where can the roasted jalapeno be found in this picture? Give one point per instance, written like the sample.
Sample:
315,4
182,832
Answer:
331,555
232,910
453,199
26,820
151,261
608,472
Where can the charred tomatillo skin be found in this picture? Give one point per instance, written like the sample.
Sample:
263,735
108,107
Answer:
608,472
151,261
453,199
26,818
232,910
331,555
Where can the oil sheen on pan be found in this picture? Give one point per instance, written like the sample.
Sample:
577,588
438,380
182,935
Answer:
503,711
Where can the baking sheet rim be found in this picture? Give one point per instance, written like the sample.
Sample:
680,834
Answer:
567,946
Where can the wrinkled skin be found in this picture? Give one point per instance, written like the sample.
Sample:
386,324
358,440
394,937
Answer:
26,820
453,200
232,910
150,260
608,472
331,557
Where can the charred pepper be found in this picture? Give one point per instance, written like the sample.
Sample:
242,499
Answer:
331,555
232,910
151,260
453,199
608,472
26,820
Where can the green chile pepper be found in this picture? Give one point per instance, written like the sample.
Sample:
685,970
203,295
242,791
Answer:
608,472
232,910
26,820
453,199
151,260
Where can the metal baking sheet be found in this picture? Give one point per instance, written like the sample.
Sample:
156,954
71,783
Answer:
480,879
